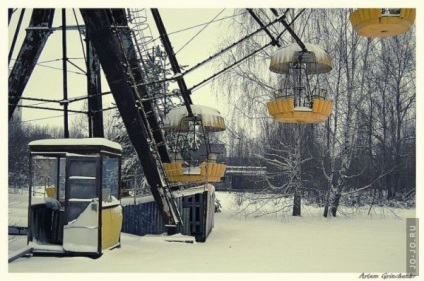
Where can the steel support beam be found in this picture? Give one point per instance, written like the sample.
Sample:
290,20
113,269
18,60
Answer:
65,77
125,35
274,42
15,36
291,31
36,37
95,104
173,60
10,12
118,74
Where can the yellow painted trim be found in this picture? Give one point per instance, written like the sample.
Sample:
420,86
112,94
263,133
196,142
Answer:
50,191
111,226
209,172
283,110
370,22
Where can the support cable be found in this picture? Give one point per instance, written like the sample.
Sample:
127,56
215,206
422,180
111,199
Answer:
241,60
231,46
218,53
39,119
230,66
199,32
197,25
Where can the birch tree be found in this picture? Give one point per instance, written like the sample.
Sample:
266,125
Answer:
366,147
251,85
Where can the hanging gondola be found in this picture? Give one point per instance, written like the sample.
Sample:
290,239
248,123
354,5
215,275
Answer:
297,100
203,121
382,22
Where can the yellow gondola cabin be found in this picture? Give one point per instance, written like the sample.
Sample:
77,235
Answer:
205,120
382,22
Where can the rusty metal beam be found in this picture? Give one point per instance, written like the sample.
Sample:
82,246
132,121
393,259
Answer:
118,74
37,33
120,20
15,36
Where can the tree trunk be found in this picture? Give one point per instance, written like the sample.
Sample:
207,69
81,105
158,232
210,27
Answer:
297,179
297,203
325,214
391,192
335,204
327,201
332,203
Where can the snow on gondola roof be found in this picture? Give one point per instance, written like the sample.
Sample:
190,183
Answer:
83,142
211,118
317,59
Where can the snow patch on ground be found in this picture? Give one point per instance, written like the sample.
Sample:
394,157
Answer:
275,243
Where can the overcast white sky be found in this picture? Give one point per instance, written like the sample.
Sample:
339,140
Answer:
46,80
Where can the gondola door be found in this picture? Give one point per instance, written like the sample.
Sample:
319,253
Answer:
81,232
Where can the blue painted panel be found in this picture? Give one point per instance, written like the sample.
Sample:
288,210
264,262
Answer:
145,218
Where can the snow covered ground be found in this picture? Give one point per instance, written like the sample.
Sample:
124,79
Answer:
352,243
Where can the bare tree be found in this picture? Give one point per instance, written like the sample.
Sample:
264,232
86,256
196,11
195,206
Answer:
367,145
20,134
358,106
394,80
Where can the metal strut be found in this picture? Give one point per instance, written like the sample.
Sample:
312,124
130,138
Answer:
264,27
10,14
15,36
291,31
95,114
109,45
274,41
119,18
222,51
230,66
251,54
37,33
145,106
173,60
